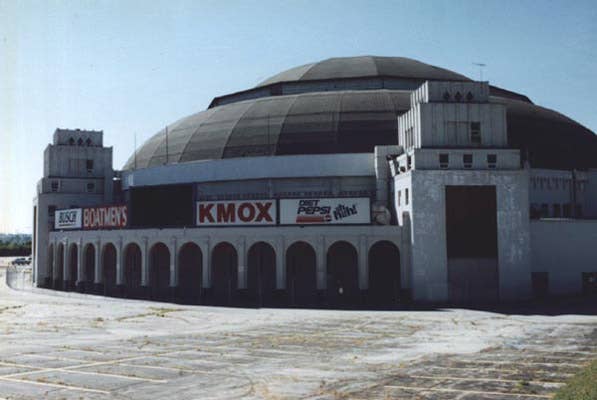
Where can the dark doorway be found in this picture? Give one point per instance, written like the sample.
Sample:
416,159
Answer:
384,274
261,279
190,273
589,283
50,265
342,275
301,274
540,281
109,269
224,272
73,266
89,266
471,239
132,270
159,272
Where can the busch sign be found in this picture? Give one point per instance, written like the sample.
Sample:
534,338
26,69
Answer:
108,217
236,212
350,210
68,219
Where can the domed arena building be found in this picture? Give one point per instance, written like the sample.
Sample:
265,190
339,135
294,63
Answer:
350,182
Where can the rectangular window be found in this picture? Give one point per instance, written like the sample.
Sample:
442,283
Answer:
55,185
491,161
475,130
406,196
557,210
90,187
467,161
409,162
444,160
89,165
51,211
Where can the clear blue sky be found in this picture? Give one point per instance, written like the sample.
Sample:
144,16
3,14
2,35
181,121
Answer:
134,66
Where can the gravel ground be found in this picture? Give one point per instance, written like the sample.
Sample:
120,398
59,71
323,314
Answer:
57,345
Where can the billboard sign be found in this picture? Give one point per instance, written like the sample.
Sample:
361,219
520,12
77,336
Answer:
105,217
327,211
68,219
236,212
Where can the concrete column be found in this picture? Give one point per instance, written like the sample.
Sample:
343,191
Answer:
280,264
144,263
320,255
363,263
98,262
242,263
119,263
173,263
80,270
66,262
205,267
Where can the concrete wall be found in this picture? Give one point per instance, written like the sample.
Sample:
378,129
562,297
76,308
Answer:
429,254
564,249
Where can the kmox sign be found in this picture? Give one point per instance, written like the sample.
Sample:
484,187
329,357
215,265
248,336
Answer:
236,212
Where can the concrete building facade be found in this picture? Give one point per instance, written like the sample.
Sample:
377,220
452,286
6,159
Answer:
314,189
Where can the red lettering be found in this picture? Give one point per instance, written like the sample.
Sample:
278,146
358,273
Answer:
243,215
264,213
205,213
225,213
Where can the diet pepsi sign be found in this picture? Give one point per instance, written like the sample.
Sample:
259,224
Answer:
325,211
236,212
68,219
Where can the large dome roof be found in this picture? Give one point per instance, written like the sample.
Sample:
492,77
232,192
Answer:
347,105
364,66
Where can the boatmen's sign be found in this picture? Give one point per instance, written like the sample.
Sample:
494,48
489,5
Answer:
68,219
342,210
236,212
108,217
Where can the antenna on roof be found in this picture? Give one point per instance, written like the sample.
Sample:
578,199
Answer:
481,66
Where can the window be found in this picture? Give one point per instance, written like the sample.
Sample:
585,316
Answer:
444,160
409,162
80,142
88,142
71,141
90,187
458,96
557,210
399,198
544,211
467,161
469,96
54,186
446,96
89,165
406,196
475,130
491,161
51,211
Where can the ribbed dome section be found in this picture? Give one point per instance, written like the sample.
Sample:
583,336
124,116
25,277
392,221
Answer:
364,67
322,114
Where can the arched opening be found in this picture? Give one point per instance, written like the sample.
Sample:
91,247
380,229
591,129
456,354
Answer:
261,279
89,266
50,266
73,266
224,272
190,272
301,274
109,269
132,270
59,267
342,275
384,274
159,271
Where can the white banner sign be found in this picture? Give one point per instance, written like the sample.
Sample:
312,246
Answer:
236,212
347,210
68,219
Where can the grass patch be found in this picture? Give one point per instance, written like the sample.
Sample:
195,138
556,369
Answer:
582,386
